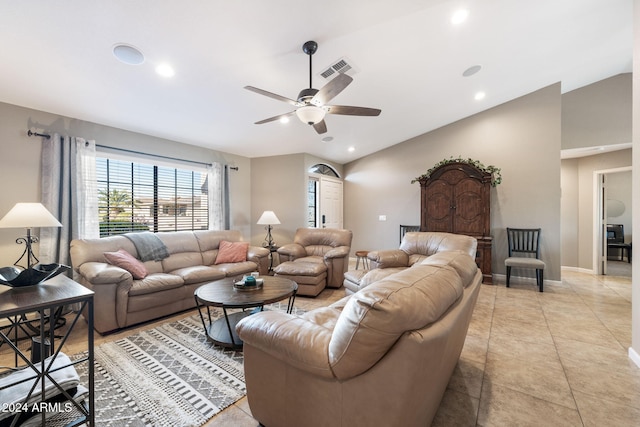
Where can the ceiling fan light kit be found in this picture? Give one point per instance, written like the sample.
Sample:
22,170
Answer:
310,114
312,103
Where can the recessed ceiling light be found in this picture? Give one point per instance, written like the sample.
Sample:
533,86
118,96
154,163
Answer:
471,70
284,120
327,139
459,16
165,70
352,149
479,96
128,54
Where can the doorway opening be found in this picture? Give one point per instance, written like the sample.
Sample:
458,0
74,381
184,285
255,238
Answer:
613,221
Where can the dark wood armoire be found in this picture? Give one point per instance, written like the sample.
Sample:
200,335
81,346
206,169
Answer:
456,199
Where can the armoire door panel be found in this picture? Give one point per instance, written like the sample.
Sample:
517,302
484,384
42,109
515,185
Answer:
469,208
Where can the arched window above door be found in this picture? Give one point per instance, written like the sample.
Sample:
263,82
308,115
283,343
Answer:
323,169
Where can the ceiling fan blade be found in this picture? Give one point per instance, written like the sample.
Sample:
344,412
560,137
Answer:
352,111
273,119
272,95
320,127
331,89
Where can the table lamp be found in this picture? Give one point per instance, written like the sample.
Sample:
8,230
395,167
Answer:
28,215
267,218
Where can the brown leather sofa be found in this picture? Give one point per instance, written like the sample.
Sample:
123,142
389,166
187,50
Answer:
121,301
380,357
317,258
414,248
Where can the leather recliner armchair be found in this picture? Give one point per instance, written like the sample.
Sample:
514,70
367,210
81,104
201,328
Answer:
317,258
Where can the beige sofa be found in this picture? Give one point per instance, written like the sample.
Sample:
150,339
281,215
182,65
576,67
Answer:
382,356
414,248
121,301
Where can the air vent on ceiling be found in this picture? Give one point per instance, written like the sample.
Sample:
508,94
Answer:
342,65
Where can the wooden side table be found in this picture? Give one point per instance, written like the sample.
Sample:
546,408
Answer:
46,300
362,255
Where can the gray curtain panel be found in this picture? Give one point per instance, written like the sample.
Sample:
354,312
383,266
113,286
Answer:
69,191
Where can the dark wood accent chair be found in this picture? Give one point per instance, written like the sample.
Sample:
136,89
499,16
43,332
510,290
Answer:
407,228
524,252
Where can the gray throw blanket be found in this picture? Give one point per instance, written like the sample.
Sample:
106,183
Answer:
148,245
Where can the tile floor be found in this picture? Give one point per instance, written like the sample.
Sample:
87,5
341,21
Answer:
557,358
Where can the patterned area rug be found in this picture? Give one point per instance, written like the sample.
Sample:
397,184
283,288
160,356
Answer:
170,375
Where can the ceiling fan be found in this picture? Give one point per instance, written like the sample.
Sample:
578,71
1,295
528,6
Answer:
312,103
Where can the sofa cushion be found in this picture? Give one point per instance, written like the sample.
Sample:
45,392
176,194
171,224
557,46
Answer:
323,316
301,267
376,316
460,261
126,261
234,269
183,248
198,274
318,241
232,252
378,274
155,283
426,244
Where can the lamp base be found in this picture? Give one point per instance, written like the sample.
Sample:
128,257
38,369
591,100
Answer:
268,240
28,240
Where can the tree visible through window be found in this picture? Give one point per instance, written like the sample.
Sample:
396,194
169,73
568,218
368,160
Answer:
138,196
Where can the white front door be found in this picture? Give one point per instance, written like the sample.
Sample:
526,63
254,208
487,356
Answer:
330,203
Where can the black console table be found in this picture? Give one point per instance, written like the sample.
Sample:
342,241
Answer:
46,300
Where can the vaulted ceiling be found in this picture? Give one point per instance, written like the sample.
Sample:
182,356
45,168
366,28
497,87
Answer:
407,59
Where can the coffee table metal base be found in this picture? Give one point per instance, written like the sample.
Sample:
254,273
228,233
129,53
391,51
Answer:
222,294
223,331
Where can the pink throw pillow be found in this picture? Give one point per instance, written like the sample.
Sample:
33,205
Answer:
232,252
125,260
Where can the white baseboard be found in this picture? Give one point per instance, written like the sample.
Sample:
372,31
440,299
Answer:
518,280
634,356
578,270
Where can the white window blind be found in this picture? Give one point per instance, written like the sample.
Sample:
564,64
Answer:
136,196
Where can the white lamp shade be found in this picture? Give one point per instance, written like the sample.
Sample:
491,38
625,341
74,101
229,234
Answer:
310,114
268,218
29,215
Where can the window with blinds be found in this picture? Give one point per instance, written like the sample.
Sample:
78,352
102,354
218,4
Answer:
145,197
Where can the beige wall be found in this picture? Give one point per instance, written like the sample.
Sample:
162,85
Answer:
279,184
570,207
578,219
598,114
594,115
20,163
522,137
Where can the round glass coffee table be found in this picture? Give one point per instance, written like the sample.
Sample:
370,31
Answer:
223,294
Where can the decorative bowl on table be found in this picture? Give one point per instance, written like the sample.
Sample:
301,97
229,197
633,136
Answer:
242,285
17,277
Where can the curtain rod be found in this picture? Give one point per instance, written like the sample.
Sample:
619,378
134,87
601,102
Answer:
45,136
126,150
235,168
